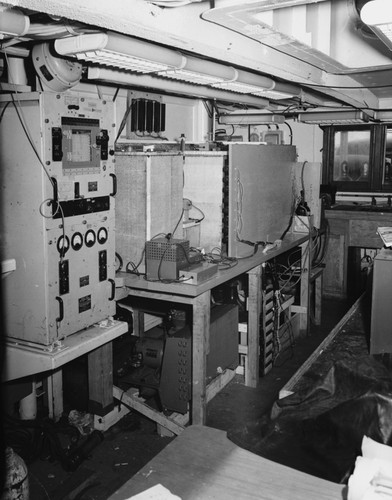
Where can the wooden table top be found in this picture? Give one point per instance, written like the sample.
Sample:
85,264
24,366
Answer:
137,283
203,464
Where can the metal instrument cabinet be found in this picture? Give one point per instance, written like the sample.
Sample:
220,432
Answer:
57,192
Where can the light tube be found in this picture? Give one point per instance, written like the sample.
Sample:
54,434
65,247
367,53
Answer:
200,71
280,91
383,116
333,117
250,117
178,87
246,83
119,51
132,55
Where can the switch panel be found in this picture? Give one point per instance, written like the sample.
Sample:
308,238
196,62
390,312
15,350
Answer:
59,220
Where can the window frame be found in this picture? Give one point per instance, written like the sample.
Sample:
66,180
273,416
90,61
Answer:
377,153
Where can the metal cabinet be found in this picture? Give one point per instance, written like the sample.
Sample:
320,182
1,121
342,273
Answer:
381,320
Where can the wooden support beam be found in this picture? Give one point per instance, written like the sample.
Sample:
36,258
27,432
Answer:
55,394
132,400
254,310
100,380
287,389
219,383
306,259
200,349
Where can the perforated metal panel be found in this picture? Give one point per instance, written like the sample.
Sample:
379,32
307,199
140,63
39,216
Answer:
164,258
168,250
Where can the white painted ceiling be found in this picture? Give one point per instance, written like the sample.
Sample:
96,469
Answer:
319,44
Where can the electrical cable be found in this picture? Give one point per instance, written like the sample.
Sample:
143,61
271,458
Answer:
120,262
201,212
279,331
123,122
209,111
215,256
4,109
178,222
291,132
302,177
291,218
38,438
22,120
134,266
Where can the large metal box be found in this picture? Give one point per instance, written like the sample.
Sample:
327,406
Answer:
57,194
381,320
223,347
148,202
261,194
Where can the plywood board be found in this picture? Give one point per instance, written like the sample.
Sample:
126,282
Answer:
261,194
202,463
203,184
148,201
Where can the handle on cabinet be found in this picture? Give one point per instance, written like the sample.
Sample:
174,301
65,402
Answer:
61,309
55,200
113,283
114,185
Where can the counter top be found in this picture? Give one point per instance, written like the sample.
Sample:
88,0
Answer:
358,213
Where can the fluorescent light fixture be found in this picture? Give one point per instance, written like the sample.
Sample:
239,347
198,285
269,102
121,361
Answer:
333,117
280,91
246,83
263,86
250,117
200,71
377,14
111,49
383,116
132,55
150,81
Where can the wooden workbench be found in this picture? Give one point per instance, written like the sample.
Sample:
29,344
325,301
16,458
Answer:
202,464
347,229
199,297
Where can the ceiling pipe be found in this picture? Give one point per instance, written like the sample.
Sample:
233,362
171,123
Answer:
264,5
13,22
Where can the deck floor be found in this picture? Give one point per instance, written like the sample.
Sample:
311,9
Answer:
130,444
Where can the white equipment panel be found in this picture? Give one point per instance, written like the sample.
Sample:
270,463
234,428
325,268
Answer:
57,191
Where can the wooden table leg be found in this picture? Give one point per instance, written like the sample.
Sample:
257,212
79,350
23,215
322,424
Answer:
200,347
254,311
138,322
100,380
55,394
306,260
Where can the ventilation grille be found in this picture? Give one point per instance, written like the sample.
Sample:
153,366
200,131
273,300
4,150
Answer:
147,116
167,250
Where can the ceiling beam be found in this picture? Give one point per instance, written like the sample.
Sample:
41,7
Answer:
184,29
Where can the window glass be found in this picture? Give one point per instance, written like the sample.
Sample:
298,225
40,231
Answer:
352,154
387,173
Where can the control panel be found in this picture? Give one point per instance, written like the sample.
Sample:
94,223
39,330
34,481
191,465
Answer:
59,190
